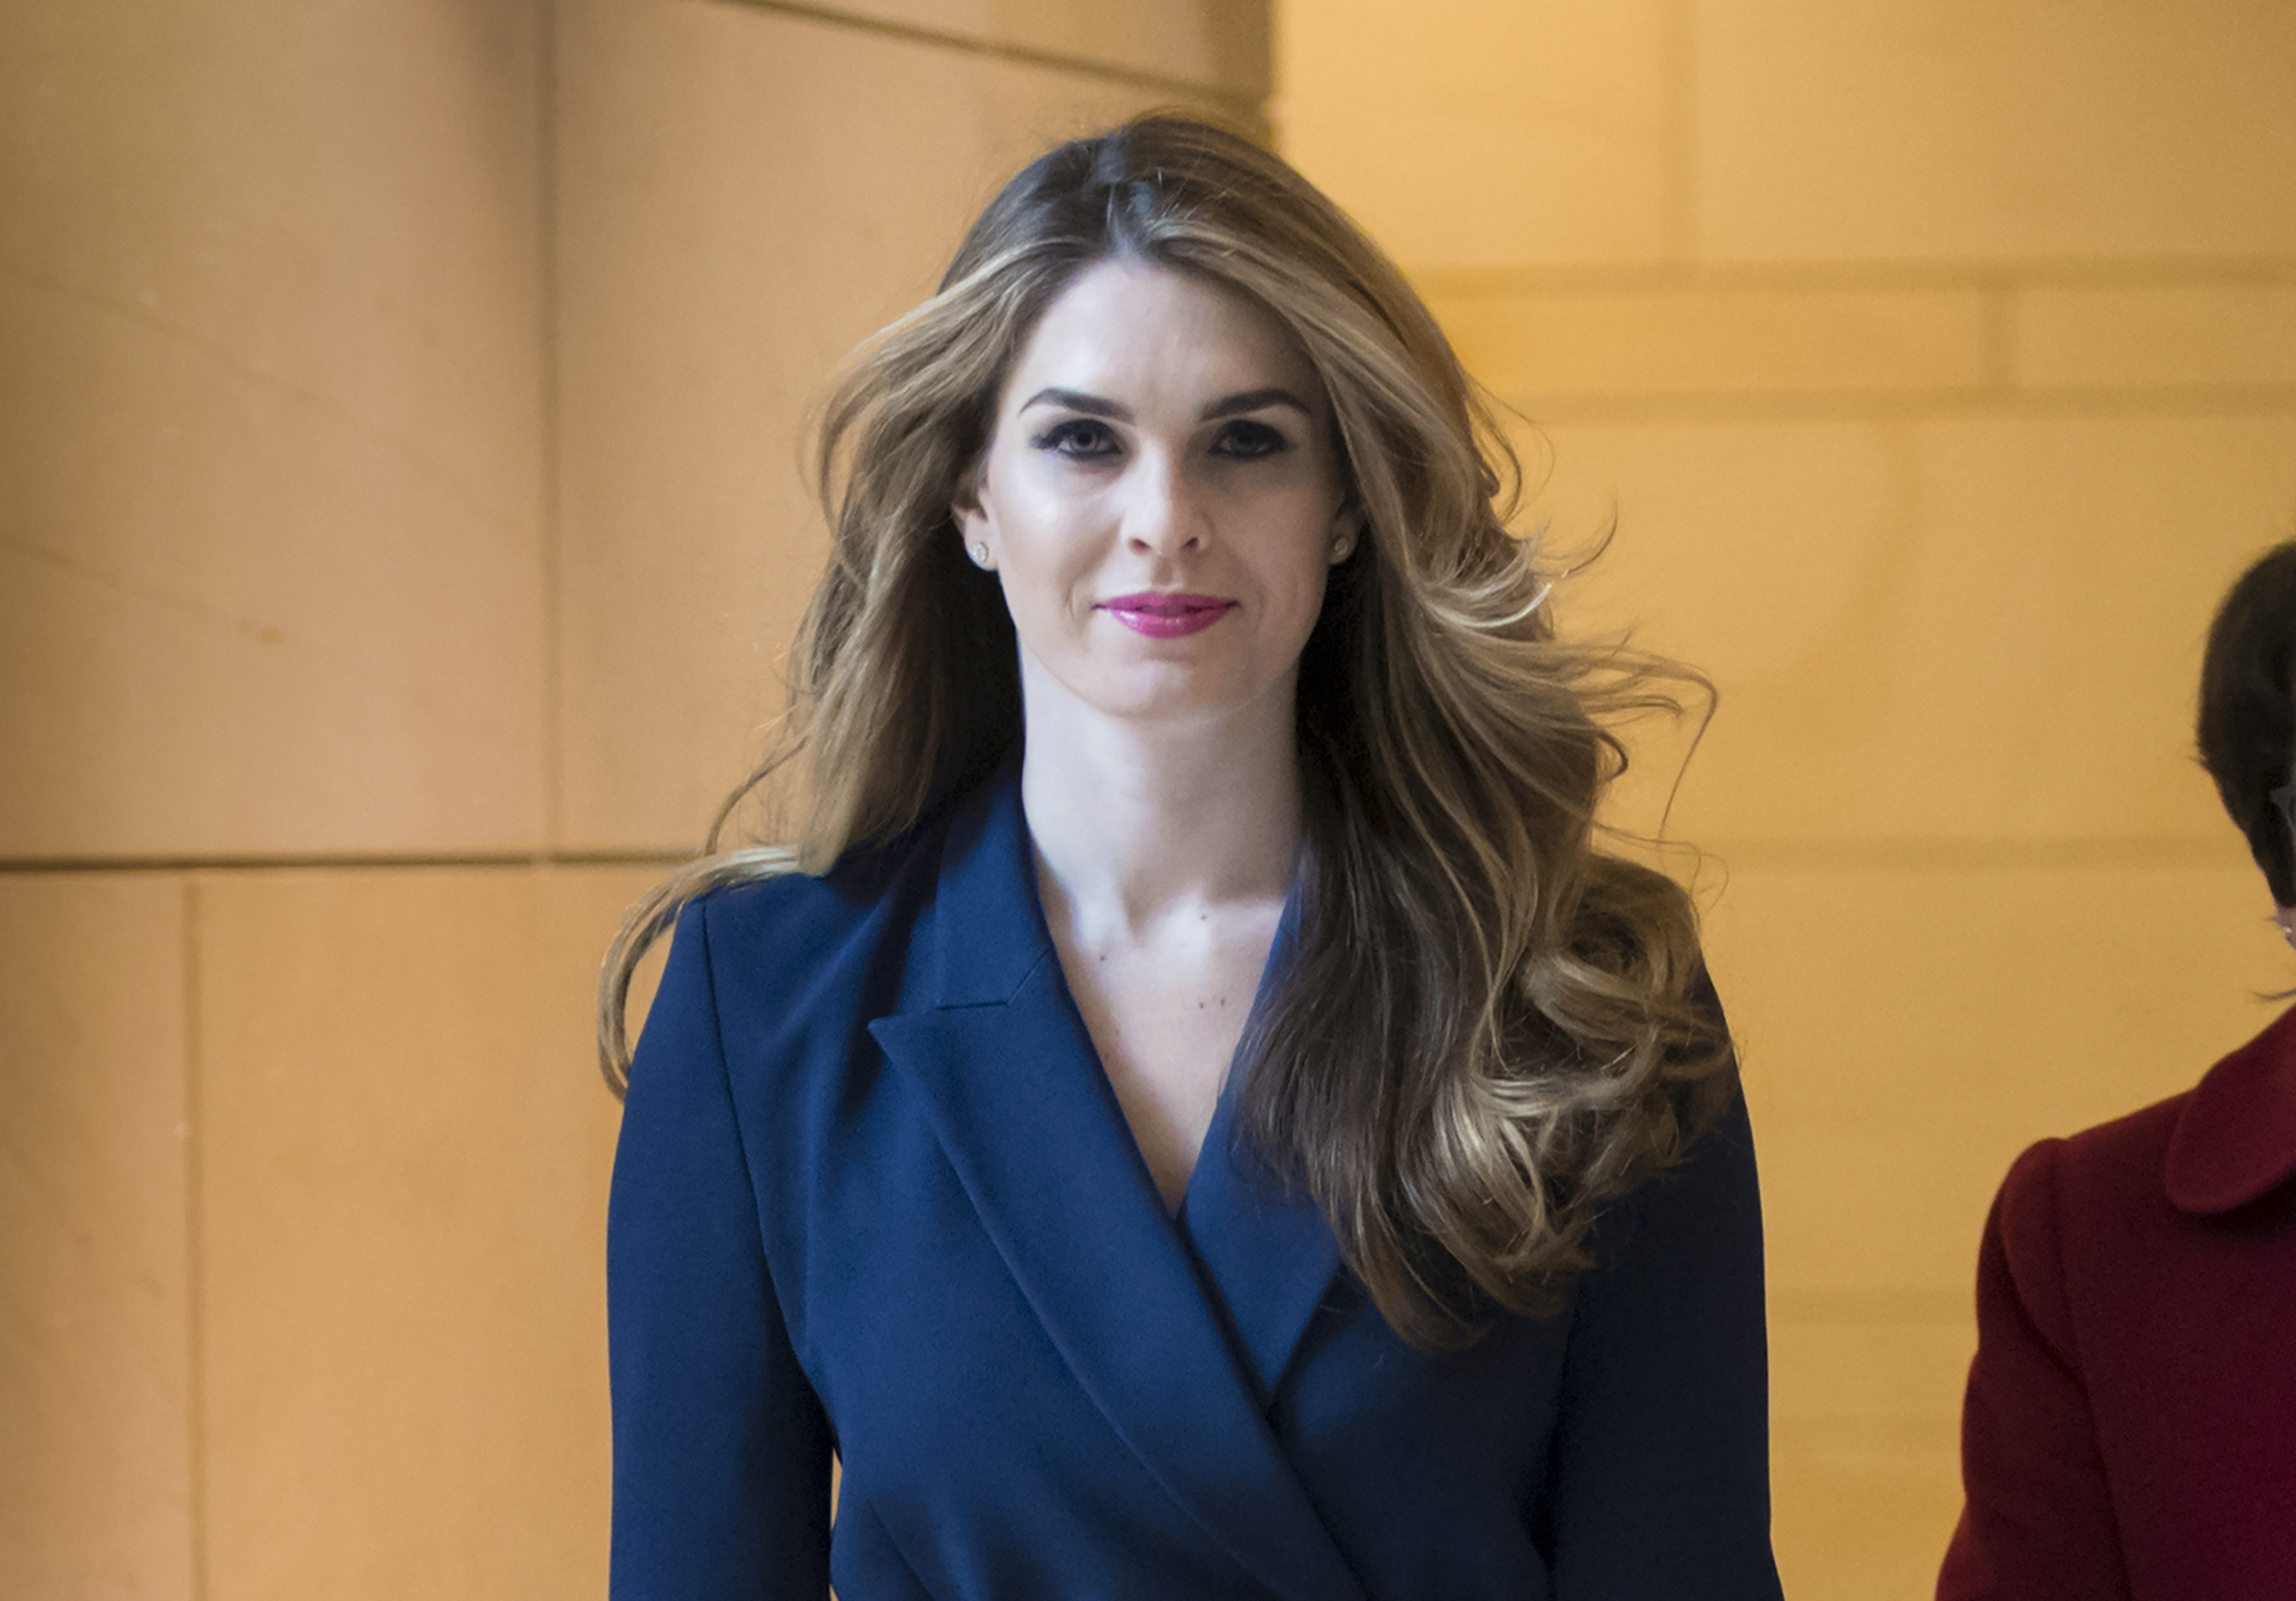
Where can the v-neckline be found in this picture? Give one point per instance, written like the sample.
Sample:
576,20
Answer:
1218,1124
1179,1326
1256,1249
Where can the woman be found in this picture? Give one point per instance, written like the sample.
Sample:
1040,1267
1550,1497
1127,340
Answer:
1204,1122
2130,1424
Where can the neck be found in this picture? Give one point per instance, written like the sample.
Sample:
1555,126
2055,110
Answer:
1133,819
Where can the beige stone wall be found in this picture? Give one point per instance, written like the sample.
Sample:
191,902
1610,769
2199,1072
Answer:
400,526
1937,363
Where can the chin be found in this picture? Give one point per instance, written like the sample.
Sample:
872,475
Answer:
1200,699
1145,690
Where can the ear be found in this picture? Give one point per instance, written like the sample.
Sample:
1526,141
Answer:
976,528
1347,532
964,508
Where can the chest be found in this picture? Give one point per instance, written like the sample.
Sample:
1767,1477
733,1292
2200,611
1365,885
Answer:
1165,1014
2186,1329
993,1336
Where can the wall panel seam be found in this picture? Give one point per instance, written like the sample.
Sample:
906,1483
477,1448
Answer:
1895,852
553,554
352,862
1727,407
194,1247
2053,853
1976,273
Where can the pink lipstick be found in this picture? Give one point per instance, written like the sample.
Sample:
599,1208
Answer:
1166,616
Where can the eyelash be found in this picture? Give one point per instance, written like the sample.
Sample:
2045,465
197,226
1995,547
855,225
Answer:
1247,441
1079,439
1082,438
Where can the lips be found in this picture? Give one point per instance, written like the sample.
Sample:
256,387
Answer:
1159,615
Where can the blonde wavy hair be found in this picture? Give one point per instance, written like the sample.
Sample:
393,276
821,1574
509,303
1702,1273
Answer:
1490,1029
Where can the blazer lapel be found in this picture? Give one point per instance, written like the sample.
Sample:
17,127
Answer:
1026,1116
1267,1253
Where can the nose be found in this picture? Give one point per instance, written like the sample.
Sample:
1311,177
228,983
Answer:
1162,515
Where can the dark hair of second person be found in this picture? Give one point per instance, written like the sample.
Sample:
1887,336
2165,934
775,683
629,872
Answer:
2129,1426
2248,711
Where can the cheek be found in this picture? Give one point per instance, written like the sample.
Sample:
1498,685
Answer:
1306,558
1051,535
1042,569
1307,605
1034,512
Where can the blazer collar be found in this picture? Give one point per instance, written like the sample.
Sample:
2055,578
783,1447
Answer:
2236,1139
988,933
1181,1350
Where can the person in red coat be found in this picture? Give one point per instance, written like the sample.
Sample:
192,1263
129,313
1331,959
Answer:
2130,1429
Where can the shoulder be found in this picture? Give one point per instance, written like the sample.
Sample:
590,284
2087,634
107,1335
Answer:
759,924
2080,1214
2209,1149
2084,1198
2095,1171
1699,1216
1713,1139
767,954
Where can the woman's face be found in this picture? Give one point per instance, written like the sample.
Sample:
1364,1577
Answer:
1160,498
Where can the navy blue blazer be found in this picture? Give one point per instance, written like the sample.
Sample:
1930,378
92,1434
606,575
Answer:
875,1197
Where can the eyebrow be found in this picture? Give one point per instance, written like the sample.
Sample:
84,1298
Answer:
1250,401
1230,405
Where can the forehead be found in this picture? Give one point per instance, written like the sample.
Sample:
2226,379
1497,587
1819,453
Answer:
1128,330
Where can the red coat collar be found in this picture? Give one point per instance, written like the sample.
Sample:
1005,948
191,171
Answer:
2236,1139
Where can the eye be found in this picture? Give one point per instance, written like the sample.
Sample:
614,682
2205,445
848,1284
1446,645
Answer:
1247,441
1079,439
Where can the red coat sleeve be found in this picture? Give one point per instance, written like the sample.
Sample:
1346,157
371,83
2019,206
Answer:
2038,1520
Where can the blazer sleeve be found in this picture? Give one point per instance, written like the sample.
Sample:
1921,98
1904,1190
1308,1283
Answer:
2037,1519
1660,1472
721,1447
